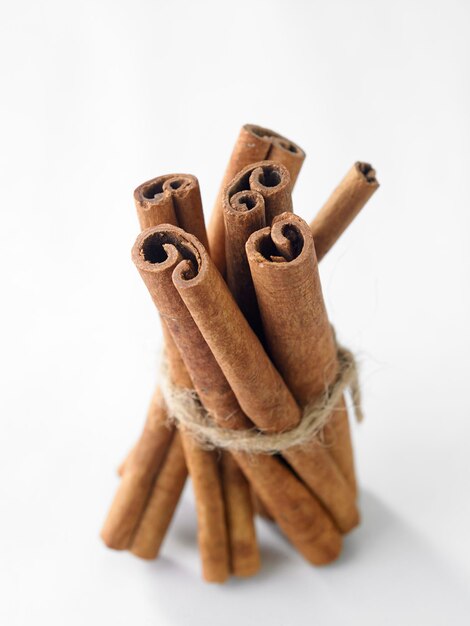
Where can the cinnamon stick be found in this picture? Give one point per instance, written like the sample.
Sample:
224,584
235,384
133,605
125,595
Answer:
295,509
172,199
253,144
256,195
162,503
342,206
156,261
301,343
177,197
245,558
141,469
203,468
162,199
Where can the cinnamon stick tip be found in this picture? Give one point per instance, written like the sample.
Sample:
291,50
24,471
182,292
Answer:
284,241
273,137
153,190
368,173
110,541
163,245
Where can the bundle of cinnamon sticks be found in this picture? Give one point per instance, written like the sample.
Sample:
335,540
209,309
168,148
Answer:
250,358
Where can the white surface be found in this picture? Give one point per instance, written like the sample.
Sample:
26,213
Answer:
100,96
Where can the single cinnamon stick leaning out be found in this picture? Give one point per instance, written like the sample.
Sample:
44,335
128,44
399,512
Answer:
253,144
342,206
296,510
301,343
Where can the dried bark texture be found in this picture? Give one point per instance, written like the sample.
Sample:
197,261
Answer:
342,206
245,558
172,199
176,199
257,385
212,387
253,144
161,504
141,469
293,507
164,199
202,465
179,193
157,252
301,343
213,537
251,201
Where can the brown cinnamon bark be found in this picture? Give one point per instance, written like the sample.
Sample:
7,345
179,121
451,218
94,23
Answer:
162,199
162,503
342,206
245,557
301,343
207,482
256,195
259,507
253,144
258,189
213,389
177,197
141,470
257,385
155,254
172,199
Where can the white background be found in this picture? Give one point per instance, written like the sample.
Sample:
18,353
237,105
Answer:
97,97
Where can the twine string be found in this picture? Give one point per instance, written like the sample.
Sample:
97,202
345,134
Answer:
185,409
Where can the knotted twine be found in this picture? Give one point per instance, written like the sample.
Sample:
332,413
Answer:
184,408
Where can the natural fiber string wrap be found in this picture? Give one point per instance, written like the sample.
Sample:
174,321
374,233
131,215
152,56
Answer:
185,409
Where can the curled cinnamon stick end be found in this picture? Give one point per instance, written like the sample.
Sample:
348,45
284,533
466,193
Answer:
284,270
269,179
254,143
171,199
244,213
156,254
359,184
161,505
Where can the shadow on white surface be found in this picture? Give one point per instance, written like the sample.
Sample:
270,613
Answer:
387,574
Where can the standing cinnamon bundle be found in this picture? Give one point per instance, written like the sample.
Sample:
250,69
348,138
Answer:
301,343
257,385
253,144
308,487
